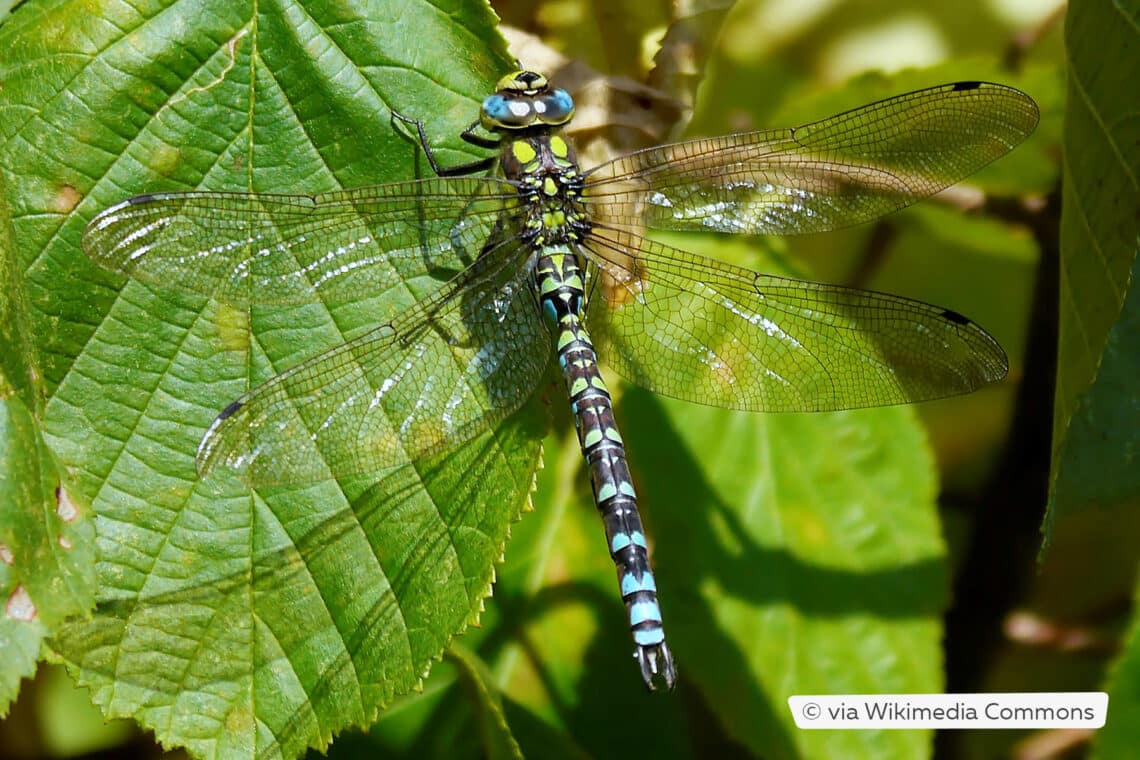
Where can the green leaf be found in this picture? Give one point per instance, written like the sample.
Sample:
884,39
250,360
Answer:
1121,730
1097,411
232,623
21,629
495,732
64,717
796,554
456,707
538,739
46,552
19,360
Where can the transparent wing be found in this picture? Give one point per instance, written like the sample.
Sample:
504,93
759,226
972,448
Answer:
685,326
841,171
288,249
442,372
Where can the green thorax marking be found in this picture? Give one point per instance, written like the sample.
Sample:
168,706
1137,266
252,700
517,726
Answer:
540,153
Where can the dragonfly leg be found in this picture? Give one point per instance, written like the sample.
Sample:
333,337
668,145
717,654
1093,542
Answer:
468,135
473,167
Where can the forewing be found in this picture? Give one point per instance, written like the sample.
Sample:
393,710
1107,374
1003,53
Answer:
685,326
291,249
841,171
439,374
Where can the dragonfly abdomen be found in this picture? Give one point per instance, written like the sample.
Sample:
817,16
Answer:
560,285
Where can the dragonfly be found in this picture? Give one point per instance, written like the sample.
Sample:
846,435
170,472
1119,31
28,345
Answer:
526,255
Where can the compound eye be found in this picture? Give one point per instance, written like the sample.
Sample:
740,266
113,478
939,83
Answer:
506,113
554,108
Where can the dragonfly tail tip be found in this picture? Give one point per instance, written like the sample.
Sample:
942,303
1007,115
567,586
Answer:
656,660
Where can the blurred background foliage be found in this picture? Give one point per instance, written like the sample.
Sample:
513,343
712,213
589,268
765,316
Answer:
860,550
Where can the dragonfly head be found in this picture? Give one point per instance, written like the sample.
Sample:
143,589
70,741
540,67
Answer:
525,99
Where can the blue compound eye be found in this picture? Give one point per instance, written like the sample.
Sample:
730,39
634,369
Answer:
506,113
555,108
495,108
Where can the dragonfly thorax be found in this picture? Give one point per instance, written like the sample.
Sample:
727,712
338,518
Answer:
528,112
546,172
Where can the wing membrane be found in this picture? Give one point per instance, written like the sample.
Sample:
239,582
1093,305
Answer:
442,372
685,326
289,249
838,172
